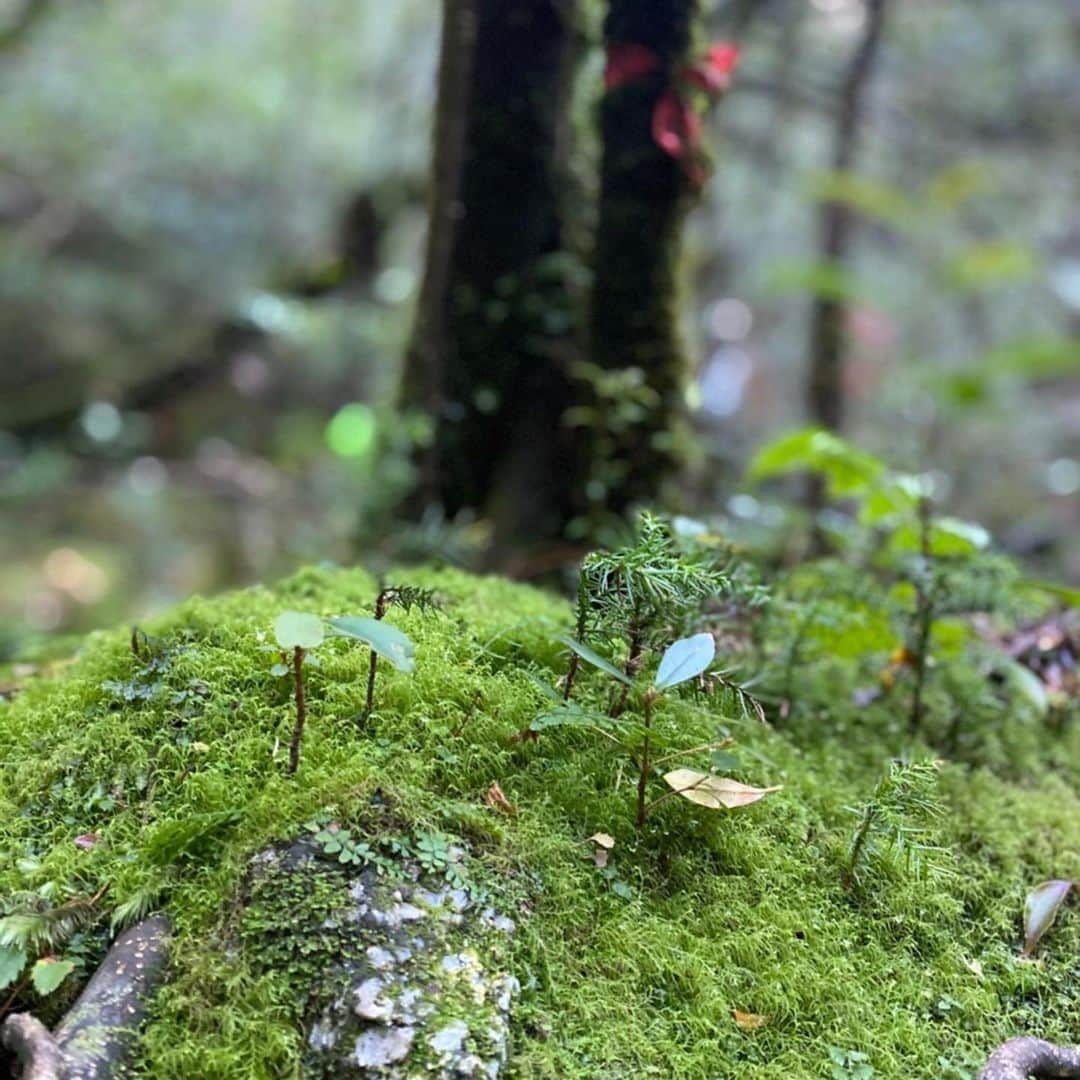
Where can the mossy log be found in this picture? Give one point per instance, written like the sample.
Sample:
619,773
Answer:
1023,1057
96,1038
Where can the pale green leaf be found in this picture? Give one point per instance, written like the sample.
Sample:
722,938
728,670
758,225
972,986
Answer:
685,659
298,630
48,974
388,641
593,658
1063,592
1028,685
12,961
983,266
870,198
847,470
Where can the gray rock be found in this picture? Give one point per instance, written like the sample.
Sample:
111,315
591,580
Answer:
383,1047
411,978
450,1039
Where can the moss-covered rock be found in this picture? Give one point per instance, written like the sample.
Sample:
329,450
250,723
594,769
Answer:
162,776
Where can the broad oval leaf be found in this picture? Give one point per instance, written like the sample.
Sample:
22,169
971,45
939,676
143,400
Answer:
298,630
12,961
1028,685
714,792
684,659
594,658
48,974
847,471
1040,907
388,641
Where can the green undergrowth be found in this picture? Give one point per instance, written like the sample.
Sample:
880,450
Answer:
173,762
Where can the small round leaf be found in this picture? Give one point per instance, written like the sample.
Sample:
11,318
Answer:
298,630
388,641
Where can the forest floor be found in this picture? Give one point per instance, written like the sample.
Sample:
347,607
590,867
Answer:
711,945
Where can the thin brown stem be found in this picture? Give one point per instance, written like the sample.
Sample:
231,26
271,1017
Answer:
571,673
575,660
373,663
643,771
857,845
633,663
301,710
924,614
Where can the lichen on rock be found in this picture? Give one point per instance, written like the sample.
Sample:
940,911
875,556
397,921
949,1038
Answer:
404,975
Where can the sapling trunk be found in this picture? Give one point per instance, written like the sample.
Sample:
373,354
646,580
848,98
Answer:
924,614
633,663
373,663
643,773
301,712
793,652
580,628
858,843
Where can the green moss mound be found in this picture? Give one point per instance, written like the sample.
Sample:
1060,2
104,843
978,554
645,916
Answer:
171,767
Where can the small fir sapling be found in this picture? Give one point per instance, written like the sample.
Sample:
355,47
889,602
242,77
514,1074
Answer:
640,593
684,660
924,567
896,822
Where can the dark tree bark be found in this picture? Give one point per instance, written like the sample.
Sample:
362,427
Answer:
644,196
490,352
825,390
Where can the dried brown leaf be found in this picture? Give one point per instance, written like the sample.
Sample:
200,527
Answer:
749,1021
497,800
714,792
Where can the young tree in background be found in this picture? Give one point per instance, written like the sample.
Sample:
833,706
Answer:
825,387
650,170
489,359
493,357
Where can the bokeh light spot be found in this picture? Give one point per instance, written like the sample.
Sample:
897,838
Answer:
351,433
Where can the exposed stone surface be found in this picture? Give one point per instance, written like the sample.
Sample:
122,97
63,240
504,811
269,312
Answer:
412,980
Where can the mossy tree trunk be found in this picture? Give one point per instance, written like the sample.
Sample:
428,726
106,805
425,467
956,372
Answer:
644,196
493,338
825,387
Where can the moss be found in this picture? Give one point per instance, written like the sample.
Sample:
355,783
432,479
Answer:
741,911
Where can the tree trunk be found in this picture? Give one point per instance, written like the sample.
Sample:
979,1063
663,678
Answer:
644,196
825,390
490,352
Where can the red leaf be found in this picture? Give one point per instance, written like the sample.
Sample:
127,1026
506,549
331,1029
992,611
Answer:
626,62
676,128
713,73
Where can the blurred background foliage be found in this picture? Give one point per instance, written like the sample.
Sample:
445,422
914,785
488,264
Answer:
212,219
